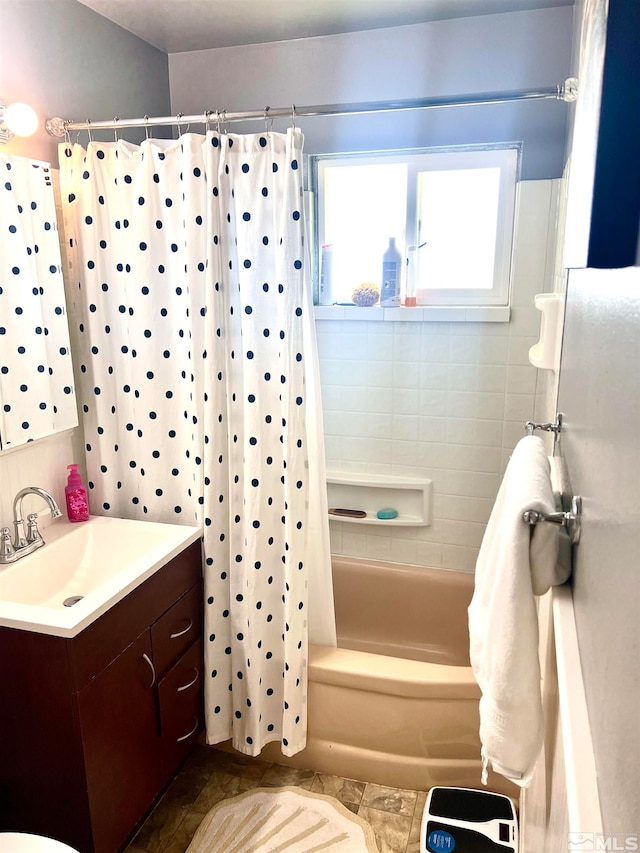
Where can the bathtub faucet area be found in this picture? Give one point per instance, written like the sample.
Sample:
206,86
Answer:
25,542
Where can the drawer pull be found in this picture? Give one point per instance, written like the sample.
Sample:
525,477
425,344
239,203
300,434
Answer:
191,683
182,633
193,731
153,670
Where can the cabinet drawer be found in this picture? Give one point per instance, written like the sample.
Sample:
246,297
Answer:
102,641
180,697
174,632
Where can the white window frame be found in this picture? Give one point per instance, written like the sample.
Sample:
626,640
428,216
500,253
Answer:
506,157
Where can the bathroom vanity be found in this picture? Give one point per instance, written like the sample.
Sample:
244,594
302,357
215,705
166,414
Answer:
93,726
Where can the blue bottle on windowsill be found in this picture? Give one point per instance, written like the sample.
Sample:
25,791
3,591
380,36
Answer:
391,269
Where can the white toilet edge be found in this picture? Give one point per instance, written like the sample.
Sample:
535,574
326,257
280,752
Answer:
22,842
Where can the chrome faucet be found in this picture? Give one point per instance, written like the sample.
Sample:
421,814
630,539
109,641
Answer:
25,542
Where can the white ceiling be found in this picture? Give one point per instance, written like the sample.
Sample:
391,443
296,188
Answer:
182,25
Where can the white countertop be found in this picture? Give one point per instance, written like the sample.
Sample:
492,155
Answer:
102,560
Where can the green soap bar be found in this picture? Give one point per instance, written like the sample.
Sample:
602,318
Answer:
387,513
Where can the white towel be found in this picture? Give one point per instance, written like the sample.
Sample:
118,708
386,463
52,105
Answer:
516,562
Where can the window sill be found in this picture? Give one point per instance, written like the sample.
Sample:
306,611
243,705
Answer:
459,314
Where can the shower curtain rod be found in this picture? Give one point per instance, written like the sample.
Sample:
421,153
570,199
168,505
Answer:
566,91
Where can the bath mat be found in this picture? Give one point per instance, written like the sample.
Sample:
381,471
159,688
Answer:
282,820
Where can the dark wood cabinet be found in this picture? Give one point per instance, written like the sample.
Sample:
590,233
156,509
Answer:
180,700
118,730
94,727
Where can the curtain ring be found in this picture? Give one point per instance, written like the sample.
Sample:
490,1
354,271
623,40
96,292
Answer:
224,121
180,131
266,119
89,130
206,114
146,127
67,135
115,128
293,116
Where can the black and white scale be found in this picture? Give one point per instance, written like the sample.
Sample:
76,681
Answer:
468,821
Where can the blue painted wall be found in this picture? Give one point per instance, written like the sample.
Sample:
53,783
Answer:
66,60
518,50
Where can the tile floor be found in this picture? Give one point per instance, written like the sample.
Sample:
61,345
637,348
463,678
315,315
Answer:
211,775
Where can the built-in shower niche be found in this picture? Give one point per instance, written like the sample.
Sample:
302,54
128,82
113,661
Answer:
369,493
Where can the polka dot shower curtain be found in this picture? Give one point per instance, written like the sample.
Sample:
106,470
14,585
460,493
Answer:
198,382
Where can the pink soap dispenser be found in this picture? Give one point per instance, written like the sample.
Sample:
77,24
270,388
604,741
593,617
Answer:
76,496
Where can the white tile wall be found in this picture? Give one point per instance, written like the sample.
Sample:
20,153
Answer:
446,400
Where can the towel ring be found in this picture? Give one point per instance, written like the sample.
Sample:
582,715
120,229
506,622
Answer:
571,520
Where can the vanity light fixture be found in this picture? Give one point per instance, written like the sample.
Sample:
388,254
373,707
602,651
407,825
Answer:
17,120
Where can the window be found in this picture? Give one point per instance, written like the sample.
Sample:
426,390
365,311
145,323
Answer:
450,214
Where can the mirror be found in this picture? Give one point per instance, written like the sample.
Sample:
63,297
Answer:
37,396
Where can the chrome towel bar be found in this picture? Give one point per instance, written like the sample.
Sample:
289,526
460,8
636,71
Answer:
570,520
556,427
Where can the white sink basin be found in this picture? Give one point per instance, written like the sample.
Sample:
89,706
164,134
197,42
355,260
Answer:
98,561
